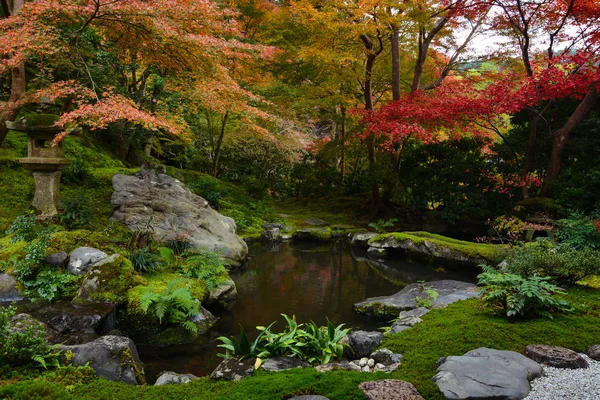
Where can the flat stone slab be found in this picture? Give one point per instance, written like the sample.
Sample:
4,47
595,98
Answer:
233,369
277,364
449,291
390,389
486,374
555,356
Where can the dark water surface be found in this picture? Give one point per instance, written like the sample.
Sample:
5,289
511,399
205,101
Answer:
311,281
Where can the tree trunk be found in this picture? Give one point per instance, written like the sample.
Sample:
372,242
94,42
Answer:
370,139
395,42
18,79
529,155
215,165
343,148
561,137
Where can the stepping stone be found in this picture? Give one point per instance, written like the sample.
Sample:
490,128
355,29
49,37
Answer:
390,389
486,374
555,356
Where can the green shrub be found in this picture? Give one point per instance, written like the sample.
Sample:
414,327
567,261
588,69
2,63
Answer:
78,171
515,296
578,231
24,227
77,212
205,266
208,189
143,260
25,346
308,342
174,305
34,390
561,262
52,284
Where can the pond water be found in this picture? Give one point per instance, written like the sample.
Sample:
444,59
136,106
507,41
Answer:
311,281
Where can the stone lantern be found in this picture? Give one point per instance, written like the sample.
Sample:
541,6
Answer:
45,161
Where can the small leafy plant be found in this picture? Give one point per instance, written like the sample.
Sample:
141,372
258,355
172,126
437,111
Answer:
578,231
143,260
24,346
77,212
206,266
179,244
24,227
382,225
429,296
308,342
514,296
174,305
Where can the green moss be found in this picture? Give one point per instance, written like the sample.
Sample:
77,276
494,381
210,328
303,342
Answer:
110,240
35,119
113,279
9,250
490,252
316,234
126,359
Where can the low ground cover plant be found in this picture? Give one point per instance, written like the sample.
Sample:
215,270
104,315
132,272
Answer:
306,341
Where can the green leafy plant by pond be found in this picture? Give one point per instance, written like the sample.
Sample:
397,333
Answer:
143,260
561,262
174,305
381,226
429,296
308,342
205,266
26,346
515,296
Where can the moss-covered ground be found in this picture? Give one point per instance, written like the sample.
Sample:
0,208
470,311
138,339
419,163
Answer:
460,327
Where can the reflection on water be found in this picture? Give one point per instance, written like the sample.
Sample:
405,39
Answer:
311,281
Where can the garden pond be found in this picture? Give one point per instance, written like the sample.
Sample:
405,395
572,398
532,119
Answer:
309,280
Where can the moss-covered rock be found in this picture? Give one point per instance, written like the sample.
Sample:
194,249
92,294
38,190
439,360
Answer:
436,246
313,234
108,280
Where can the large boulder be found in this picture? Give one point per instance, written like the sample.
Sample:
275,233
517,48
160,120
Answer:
112,357
362,343
233,369
107,281
389,307
389,389
83,258
9,290
486,374
173,209
555,356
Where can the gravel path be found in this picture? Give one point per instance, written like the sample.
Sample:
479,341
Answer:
572,384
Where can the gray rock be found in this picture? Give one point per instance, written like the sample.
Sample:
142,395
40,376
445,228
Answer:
309,397
174,210
223,294
594,352
8,288
398,327
312,234
371,363
410,320
108,280
272,225
417,312
315,222
232,369
173,378
486,374
366,369
436,250
555,356
83,258
22,323
389,389
113,357
277,364
343,365
271,235
362,239
386,357
362,343
57,259
448,291
88,318
363,361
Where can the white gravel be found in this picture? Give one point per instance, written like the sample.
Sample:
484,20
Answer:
571,384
